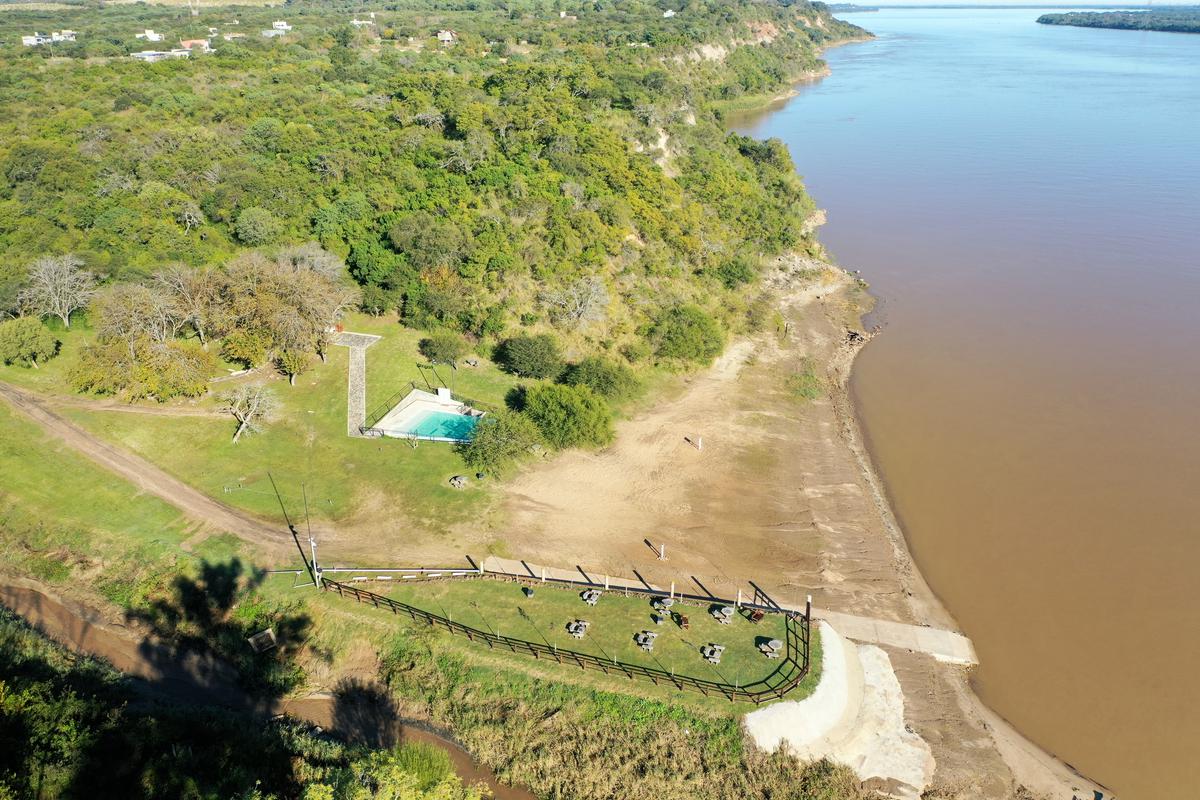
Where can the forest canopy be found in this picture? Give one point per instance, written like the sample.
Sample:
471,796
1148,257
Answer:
557,169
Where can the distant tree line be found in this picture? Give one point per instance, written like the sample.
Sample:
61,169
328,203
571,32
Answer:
1181,19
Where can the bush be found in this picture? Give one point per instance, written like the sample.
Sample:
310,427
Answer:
153,369
531,356
736,272
569,416
257,226
246,348
499,441
688,334
610,380
26,341
443,347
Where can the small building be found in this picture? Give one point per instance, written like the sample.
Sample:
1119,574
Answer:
149,36
229,37
38,39
160,55
446,38
359,23
668,14
196,45
280,25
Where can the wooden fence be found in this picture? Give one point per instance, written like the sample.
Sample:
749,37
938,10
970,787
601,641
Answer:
787,676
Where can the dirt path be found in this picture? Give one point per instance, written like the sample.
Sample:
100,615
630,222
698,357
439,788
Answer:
201,679
271,538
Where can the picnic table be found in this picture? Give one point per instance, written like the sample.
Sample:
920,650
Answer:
590,596
577,628
772,648
645,640
723,614
712,652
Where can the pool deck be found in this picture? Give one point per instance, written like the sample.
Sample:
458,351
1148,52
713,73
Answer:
403,420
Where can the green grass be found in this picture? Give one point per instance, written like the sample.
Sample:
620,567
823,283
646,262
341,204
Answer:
805,384
307,444
502,608
62,516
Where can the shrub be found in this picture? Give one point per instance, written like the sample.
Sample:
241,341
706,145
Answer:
531,356
247,348
610,380
499,441
257,226
569,416
26,341
736,272
636,351
443,347
149,369
688,334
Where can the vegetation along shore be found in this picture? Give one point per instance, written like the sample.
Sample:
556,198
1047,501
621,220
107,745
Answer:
438,282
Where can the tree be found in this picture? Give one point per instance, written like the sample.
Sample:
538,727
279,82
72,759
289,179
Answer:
26,341
579,302
292,363
251,406
443,347
610,380
688,334
256,226
500,440
142,368
531,356
249,348
129,312
569,416
58,287
199,298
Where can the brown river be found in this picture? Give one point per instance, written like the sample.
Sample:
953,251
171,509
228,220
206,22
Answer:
1025,201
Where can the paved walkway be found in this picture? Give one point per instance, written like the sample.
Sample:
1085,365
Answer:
942,644
356,382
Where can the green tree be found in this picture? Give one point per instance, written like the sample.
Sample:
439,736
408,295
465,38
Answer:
499,441
26,341
688,334
610,380
257,226
532,356
249,348
443,347
292,363
569,416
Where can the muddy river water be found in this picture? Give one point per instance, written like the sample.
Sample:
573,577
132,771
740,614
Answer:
1025,201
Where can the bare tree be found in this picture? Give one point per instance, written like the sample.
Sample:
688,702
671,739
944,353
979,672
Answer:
311,256
198,295
190,216
583,300
58,287
132,312
251,406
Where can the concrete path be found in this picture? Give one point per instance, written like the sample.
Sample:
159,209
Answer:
356,382
943,645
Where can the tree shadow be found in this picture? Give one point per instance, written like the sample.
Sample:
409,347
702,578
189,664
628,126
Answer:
200,629
365,713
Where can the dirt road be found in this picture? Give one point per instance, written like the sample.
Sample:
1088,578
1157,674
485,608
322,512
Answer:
272,539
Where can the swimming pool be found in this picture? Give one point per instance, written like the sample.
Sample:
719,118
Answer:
444,425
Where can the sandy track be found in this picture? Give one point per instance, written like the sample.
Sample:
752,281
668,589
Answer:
272,538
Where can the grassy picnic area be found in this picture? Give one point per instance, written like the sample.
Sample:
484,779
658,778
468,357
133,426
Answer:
504,609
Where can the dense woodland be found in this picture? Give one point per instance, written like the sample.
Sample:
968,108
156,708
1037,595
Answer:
1181,19
560,167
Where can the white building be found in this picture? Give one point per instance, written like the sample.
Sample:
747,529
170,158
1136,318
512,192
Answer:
358,23
668,14
280,25
446,38
160,55
272,33
229,37
149,36
40,39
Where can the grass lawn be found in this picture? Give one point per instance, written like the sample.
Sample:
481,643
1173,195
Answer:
350,480
502,608
60,513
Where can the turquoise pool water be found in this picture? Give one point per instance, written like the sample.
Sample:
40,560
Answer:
445,425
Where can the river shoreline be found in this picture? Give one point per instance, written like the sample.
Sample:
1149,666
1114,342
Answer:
1032,766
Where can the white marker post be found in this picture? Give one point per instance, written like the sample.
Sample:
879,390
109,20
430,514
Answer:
543,574
662,552
738,602
672,590
606,583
